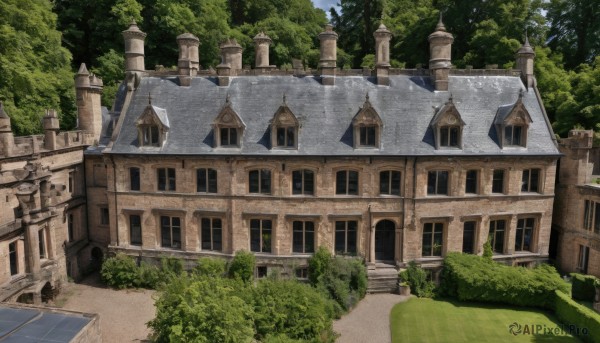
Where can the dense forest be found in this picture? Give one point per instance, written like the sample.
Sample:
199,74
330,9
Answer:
42,43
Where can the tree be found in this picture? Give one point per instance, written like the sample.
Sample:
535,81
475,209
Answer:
34,67
355,25
574,30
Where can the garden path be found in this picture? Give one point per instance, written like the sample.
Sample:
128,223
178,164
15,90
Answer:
369,322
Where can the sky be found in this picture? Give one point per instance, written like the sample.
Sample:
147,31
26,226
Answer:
325,5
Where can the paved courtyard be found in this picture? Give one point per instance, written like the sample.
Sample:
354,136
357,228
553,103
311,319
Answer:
124,313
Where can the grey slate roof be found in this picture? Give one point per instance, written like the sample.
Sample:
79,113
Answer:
325,114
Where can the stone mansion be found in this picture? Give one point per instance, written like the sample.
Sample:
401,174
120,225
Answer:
394,165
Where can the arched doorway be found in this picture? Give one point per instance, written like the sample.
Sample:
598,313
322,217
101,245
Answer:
47,293
385,240
97,257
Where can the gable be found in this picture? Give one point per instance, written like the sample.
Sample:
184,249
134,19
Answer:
228,117
367,115
447,115
153,115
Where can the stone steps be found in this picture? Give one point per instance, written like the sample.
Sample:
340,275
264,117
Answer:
382,279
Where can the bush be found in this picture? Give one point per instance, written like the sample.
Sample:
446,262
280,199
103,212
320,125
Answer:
488,253
203,310
148,276
209,266
472,278
120,271
584,287
291,310
317,265
242,266
417,279
341,279
576,316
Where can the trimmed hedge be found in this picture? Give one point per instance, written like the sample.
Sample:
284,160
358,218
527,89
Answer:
583,287
472,278
576,316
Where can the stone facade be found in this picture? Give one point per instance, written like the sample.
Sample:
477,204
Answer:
43,218
577,207
418,172
157,208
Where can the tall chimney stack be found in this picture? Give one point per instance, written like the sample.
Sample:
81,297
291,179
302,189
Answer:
261,47
231,61
382,54
134,55
440,49
328,61
189,61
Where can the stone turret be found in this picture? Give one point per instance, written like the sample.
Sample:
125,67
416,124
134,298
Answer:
189,60
51,127
382,54
89,108
261,47
328,60
7,139
575,168
440,49
525,56
231,61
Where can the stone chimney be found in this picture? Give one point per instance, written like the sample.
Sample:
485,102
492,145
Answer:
440,49
189,60
382,54
89,108
328,61
261,47
7,139
134,55
134,48
51,127
525,56
231,61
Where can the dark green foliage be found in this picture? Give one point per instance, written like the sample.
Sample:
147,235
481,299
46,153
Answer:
148,276
584,287
342,279
292,310
213,267
572,313
318,264
488,253
242,266
120,271
35,72
574,28
418,280
472,278
203,309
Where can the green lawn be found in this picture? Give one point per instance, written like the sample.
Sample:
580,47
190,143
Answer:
442,321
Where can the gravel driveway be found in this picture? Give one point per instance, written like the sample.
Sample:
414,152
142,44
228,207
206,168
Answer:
123,314
369,321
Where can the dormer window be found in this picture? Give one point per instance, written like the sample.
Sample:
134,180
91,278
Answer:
447,126
367,127
513,135
284,128
153,126
149,135
228,136
512,122
368,136
449,136
228,127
